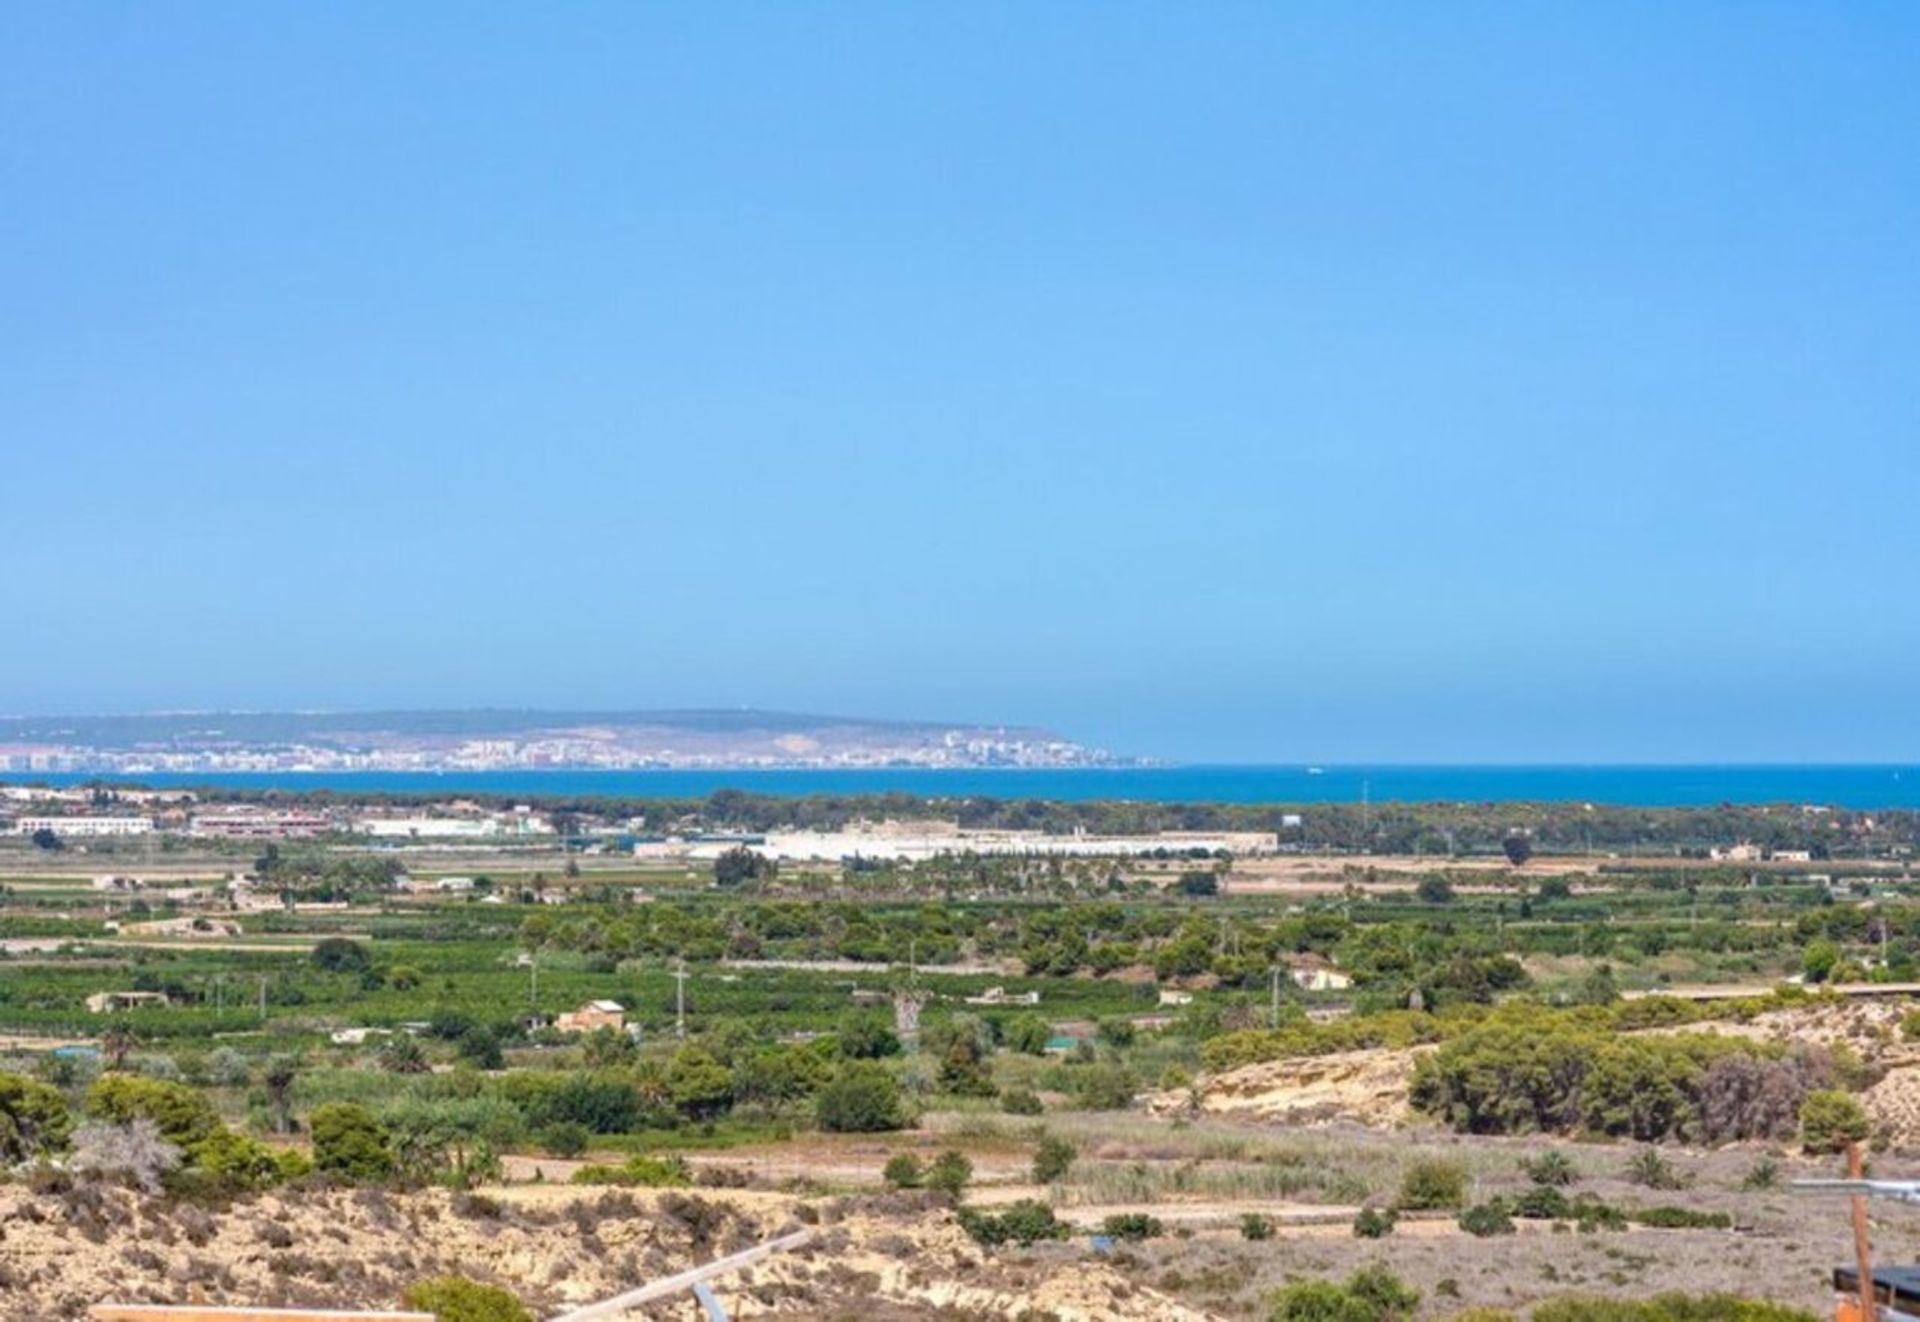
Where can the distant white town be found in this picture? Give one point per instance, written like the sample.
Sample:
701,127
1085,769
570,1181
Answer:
482,741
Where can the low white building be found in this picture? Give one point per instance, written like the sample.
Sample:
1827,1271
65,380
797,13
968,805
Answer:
921,841
259,824
451,828
1001,996
84,826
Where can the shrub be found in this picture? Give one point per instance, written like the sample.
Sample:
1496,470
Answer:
1668,1308
1542,1202
1253,1226
1431,1185
1680,1218
1021,1101
1053,1159
861,1099
565,1138
1132,1226
639,1171
1648,1167
1487,1219
457,1299
1372,1223
1590,1214
1551,1169
903,1171
133,1152
949,1173
1763,1174
1105,1088
1024,1222
350,1143
1830,1120
227,1068
1372,1294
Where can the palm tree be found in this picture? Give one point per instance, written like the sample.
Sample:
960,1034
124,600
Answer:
278,1076
116,1044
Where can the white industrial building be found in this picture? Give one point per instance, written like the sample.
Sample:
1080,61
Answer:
451,828
915,844
84,826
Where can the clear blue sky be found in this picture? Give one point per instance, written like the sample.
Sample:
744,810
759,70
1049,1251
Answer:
1226,381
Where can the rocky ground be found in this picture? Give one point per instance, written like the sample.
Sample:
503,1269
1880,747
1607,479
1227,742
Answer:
875,1258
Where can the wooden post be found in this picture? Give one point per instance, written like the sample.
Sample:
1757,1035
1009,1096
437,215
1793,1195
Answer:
1862,1247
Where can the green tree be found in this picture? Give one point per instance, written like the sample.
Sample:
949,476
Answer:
866,1037
740,865
1200,885
1027,1034
1818,963
350,1143
33,1120
861,1099
700,1085
338,954
1830,1120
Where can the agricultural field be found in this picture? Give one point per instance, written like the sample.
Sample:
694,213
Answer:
1176,1087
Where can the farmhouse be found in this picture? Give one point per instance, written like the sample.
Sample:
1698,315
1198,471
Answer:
592,1015
1001,996
1312,973
107,1002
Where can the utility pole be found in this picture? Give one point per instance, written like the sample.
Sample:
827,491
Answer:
1276,998
263,997
680,999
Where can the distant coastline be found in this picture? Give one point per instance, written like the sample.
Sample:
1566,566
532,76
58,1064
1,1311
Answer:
1859,787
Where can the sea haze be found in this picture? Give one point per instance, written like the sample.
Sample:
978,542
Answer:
1851,786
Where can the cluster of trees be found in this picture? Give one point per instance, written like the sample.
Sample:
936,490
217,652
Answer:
1530,1070
140,1129
325,875
1400,1029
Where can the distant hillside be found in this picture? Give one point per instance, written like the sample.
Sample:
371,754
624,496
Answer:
479,739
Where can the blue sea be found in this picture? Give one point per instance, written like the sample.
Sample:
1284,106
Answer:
1851,786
